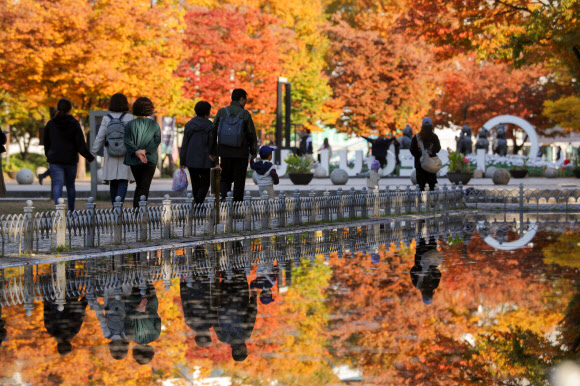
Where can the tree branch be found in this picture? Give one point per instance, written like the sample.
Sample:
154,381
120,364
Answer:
514,7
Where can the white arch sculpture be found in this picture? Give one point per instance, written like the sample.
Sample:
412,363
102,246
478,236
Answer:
358,162
391,162
512,245
521,123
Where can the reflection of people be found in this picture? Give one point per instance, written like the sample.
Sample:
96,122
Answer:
236,314
111,318
64,325
3,332
197,310
142,323
267,277
425,274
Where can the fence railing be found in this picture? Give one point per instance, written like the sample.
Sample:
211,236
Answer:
31,232
91,277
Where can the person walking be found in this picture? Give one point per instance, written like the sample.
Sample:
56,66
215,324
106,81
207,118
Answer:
234,140
111,134
3,140
142,138
265,172
379,149
306,144
63,141
325,146
431,144
195,150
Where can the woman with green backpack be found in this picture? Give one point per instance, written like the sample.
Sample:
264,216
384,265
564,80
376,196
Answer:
111,135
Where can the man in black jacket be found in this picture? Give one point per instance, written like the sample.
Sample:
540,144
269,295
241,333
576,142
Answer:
380,147
234,159
63,141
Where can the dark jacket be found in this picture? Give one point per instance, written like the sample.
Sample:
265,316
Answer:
2,142
197,142
261,167
64,325
433,148
142,134
237,310
250,143
380,146
432,276
196,304
64,140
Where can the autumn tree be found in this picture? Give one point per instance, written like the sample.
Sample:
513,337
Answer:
382,83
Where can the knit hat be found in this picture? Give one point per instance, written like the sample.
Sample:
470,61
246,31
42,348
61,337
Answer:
375,165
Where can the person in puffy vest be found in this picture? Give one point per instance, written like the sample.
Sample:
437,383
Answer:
115,172
195,150
234,159
265,172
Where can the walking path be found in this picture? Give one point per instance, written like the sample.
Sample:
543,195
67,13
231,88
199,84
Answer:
162,186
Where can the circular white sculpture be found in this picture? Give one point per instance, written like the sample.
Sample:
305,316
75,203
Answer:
414,177
25,177
320,172
490,171
40,170
551,172
339,177
521,123
100,176
501,177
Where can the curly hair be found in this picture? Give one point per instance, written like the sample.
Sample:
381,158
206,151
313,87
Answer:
143,107
119,103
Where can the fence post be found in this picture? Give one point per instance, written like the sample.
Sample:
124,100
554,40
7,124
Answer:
408,199
325,207
210,220
522,196
282,209
297,213
340,212
248,211
166,217
387,201
144,217
313,206
352,209
444,205
28,227
118,216
266,214
60,223
364,211
427,195
398,201
189,216
91,222
377,203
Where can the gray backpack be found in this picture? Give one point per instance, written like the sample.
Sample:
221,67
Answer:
231,130
116,136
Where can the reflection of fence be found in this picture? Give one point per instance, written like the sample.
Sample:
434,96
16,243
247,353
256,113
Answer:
523,199
92,277
89,227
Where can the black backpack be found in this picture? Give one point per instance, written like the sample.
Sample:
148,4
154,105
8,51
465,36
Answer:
231,130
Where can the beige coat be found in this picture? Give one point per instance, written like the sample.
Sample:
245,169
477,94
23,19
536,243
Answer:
113,168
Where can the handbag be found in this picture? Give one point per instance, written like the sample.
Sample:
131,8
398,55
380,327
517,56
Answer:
428,163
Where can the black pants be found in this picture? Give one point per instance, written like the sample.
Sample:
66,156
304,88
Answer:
382,161
199,183
143,176
233,171
424,178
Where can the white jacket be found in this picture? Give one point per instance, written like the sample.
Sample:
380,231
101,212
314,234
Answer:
113,168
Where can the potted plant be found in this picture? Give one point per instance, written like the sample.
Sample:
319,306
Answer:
11,169
299,169
458,169
520,171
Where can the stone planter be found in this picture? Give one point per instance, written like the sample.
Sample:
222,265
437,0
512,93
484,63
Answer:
301,178
576,172
456,178
518,173
12,175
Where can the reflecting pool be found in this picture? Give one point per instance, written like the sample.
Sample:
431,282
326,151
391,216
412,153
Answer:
451,300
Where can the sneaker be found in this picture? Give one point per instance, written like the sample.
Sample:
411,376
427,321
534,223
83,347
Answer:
40,178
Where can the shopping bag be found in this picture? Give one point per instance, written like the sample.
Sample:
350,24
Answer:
179,181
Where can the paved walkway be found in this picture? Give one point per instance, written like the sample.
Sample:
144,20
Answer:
162,186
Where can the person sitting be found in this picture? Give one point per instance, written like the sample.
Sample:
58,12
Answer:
265,172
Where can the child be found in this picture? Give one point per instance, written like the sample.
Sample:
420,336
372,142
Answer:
373,175
265,172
